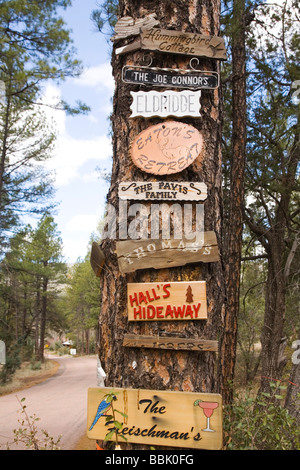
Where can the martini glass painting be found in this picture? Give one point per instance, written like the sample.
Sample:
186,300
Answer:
208,409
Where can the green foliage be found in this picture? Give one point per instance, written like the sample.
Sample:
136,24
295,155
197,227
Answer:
260,423
111,420
35,46
250,319
81,303
31,277
106,13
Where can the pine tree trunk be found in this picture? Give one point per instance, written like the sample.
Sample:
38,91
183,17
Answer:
272,339
151,368
234,230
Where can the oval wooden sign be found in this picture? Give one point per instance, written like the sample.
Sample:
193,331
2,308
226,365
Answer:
166,148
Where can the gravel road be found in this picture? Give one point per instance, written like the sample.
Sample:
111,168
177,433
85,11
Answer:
60,402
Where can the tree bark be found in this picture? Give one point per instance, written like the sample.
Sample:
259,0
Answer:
234,230
155,369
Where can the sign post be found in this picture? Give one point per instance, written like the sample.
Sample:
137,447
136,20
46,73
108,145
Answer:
2,352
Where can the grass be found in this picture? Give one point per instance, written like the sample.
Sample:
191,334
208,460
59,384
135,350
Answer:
26,376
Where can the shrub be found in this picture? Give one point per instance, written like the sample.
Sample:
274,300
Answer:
260,423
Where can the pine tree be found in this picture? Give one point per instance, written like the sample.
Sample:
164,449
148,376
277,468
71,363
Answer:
170,370
35,46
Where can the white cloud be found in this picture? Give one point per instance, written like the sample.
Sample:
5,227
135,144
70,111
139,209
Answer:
70,154
51,97
97,76
82,223
75,248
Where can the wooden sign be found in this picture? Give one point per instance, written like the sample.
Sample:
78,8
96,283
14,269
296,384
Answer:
167,342
166,301
127,26
166,148
97,259
165,190
177,42
166,103
158,417
170,78
159,254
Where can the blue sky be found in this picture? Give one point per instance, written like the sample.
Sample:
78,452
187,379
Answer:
83,143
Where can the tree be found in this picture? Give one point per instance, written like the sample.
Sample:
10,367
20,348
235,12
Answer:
183,370
273,165
26,142
234,205
45,254
35,47
81,302
32,274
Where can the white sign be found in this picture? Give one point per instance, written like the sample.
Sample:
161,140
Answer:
166,190
166,103
2,352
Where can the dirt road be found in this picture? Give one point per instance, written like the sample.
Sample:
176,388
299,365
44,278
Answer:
60,402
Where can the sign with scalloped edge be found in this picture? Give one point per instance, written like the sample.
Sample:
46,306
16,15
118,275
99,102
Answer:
165,103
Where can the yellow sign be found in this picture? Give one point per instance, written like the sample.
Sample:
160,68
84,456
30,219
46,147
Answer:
156,417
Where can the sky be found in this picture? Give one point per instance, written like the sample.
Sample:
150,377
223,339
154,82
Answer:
83,142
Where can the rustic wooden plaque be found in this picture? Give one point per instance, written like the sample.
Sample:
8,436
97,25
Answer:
160,418
166,103
177,42
167,342
97,259
170,78
128,26
163,190
158,254
166,148
166,301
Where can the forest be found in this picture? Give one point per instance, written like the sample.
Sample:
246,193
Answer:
42,296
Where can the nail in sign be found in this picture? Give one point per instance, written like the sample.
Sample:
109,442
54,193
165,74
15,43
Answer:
166,148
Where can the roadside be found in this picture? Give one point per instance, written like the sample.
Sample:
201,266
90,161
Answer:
26,377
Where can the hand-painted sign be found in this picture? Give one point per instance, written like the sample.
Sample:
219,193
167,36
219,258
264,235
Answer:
166,148
159,254
166,301
165,190
177,42
158,418
170,78
166,103
168,342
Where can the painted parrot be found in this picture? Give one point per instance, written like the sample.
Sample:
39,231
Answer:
103,407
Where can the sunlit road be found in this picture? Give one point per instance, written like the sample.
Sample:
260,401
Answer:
60,402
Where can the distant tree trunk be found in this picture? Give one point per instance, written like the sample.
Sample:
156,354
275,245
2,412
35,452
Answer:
43,319
233,232
37,318
272,339
154,369
292,400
